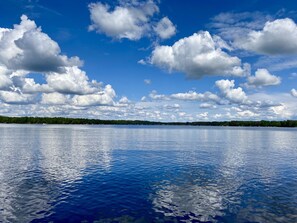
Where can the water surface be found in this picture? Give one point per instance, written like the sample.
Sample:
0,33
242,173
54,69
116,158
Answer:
56,173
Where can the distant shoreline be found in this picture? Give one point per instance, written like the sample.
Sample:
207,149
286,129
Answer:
82,121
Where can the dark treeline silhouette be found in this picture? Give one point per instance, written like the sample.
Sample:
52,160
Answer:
62,120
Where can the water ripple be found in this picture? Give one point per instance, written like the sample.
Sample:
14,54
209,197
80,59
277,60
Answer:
147,174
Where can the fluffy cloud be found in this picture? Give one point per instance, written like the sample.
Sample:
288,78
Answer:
73,81
54,99
165,28
282,111
8,48
129,21
196,56
228,94
294,92
155,96
26,47
24,50
207,105
234,95
124,101
104,97
247,113
187,96
260,33
263,78
275,105
172,107
16,98
194,96
28,85
5,81
203,116
41,54
276,37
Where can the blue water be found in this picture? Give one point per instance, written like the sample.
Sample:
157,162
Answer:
56,173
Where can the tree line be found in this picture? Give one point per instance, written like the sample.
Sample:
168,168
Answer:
80,121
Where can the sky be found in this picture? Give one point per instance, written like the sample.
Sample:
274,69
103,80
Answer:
157,60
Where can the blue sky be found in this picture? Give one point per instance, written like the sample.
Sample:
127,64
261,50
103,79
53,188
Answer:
151,60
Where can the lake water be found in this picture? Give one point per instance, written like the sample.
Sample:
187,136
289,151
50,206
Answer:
57,173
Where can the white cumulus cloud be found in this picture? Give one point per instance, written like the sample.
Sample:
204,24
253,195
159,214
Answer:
282,110
26,50
263,78
197,56
129,21
124,101
207,105
26,47
54,98
16,98
5,81
234,95
294,92
73,81
165,28
194,96
28,85
247,114
105,97
276,38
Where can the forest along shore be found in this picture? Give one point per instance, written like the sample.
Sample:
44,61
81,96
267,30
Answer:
81,121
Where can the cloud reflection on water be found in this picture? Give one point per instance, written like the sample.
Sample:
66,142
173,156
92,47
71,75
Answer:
199,173
45,159
224,188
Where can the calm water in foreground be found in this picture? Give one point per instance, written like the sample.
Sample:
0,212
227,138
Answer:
56,173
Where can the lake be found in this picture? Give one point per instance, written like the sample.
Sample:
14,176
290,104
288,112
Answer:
58,173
